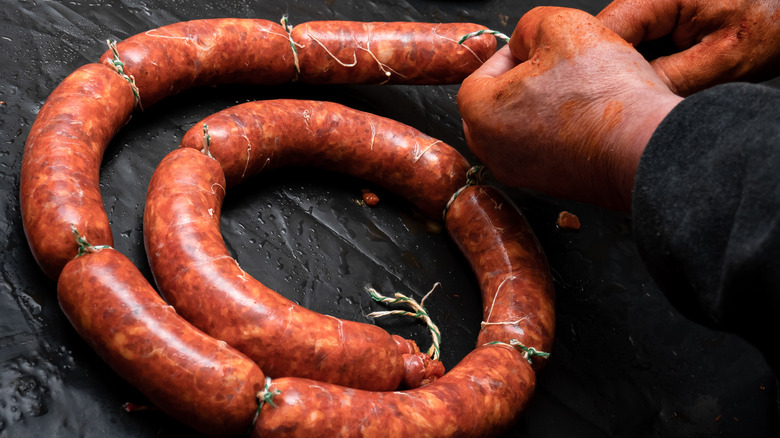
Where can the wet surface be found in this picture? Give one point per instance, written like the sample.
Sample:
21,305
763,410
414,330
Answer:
625,364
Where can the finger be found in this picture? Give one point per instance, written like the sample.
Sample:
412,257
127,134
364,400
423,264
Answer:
501,62
641,20
525,37
475,87
546,34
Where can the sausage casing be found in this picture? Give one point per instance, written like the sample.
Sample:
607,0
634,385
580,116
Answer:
344,52
60,181
179,56
485,393
518,298
481,396
257,136
196,274
192,377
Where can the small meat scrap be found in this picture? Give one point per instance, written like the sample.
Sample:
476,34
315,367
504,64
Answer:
568,221
370,198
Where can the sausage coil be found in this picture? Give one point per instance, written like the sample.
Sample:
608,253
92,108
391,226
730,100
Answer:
486,392
517,289
192,376
195,272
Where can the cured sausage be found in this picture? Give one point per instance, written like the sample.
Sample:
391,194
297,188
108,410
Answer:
518,298
258,136
173,58
481,396
487,391
60,169
192,377
343,52
179,56
87,109
196,274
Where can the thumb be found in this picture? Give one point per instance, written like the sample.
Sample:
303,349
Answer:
474,87
501,62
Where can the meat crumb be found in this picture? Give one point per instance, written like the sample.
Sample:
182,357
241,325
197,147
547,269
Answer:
568,221
370,198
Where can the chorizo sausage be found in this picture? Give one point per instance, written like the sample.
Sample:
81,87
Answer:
487,391
481,396
172,58
179,56
342,52
60,169
518,298
174,367
196,274
84,113
264,135
192,377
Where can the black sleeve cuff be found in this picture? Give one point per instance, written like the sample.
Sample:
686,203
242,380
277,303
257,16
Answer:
706,210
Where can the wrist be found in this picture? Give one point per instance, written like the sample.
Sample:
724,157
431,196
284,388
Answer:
632,139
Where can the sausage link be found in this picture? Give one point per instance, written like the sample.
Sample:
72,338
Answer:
343,52
481,396
60,169
179,56
264,135
517,290
189,375
192,377
196,274
82,115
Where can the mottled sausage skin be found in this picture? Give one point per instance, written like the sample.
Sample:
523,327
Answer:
60,169
482,396
517,289
194,378
196,274
256,136
88,108
179,56
342,52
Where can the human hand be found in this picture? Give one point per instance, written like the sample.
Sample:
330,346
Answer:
720,40
566,108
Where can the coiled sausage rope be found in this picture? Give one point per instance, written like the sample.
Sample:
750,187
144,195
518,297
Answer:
520,381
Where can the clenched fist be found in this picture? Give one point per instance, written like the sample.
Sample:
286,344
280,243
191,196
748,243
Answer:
566,108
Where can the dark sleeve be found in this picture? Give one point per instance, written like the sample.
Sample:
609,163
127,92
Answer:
706,211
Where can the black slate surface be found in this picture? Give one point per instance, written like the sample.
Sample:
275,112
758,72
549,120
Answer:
625,364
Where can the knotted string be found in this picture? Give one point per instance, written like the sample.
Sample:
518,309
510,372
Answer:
419,312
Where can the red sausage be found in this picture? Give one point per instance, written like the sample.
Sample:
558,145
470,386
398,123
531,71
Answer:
192,377
343,52
256,136
82,115
482,396
60,169
179,56
196,274
488,390
517,290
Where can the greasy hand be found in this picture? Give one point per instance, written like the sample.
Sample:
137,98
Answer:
720,40
566,108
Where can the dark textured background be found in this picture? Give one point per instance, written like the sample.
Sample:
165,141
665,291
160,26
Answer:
625,364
